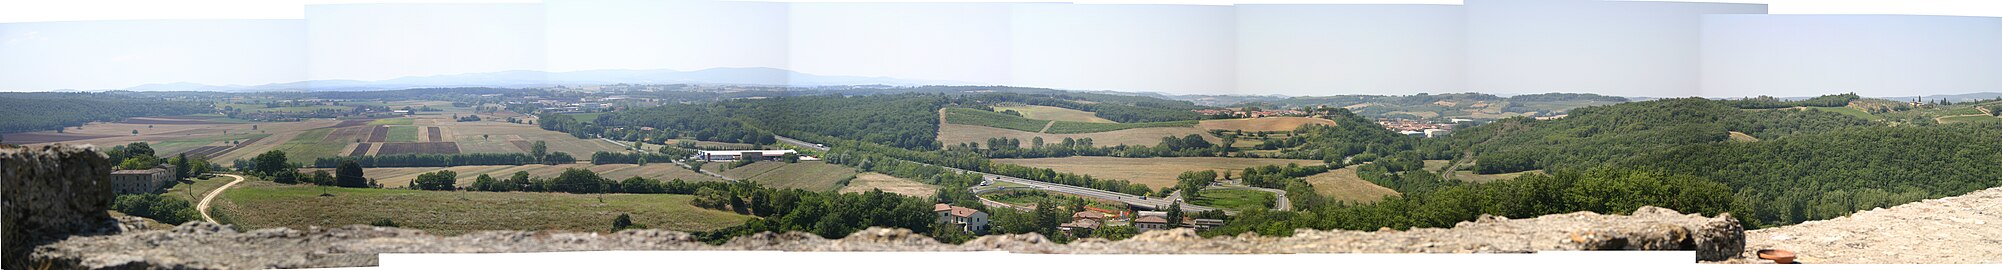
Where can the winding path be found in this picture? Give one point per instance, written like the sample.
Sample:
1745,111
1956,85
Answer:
204,205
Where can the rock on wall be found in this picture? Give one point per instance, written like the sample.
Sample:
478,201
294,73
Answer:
200,245
49,193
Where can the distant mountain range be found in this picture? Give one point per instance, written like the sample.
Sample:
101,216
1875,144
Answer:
527,78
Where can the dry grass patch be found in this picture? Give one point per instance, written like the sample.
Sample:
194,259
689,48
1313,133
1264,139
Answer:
807,175
1263,124
267,205
400,177
1343,184
495,137
1054,113
957,133
1153,172
869,181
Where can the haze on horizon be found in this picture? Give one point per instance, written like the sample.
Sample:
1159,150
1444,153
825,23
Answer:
1653,49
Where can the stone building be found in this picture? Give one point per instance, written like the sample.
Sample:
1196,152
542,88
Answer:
141,181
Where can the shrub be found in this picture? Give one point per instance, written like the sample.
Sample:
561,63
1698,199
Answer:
167,210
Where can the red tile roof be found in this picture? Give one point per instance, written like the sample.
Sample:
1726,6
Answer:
956,211
1151,219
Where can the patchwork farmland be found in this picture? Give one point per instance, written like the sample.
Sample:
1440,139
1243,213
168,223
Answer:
1153,172
400,177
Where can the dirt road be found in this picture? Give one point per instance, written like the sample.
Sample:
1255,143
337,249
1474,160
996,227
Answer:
204,205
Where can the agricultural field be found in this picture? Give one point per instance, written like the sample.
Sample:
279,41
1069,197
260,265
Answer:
398,148
256,205
1343,185
402,134
870,181
1465,171
401,177
1234,199
993,119
709,145
951,130
504,137
807,175
1153,172
585,117
1470,176
312,144
1031,198
201,146
1263,124
1053,113
187,131
1065,127
957,133
1970,119
392,121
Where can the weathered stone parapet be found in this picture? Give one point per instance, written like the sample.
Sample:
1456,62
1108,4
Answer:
199,245
48,193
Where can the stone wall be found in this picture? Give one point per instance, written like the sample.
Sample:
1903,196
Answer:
199,245
49,193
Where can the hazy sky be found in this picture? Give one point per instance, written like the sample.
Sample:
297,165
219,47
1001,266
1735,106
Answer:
652,34
1168,48
387,41
1606,47
1496,46
1364,49
1880,55
966,42
120,54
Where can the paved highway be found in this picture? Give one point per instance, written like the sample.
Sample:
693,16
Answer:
1136,201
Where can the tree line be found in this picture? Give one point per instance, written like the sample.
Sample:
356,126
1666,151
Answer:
447,160
46,111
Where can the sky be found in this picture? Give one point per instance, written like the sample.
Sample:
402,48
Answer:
1193,47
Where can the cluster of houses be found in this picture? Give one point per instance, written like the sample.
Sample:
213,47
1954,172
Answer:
1420,128
1092,218
1250,113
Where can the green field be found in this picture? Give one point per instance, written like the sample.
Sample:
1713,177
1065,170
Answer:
403,134
183,145
254,205
310,145
585,117
1053,113
1063,127
1235,199
1852,111
393,121
807,175
1030,198
1970,119
999,120
993,119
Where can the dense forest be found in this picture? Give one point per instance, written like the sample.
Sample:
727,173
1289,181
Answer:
1831,174
1596,135
1768,102
47,111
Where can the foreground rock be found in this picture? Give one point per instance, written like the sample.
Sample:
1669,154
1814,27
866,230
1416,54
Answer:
49,193
208,246
1961,229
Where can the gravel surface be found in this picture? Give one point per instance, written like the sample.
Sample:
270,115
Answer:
1961,229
